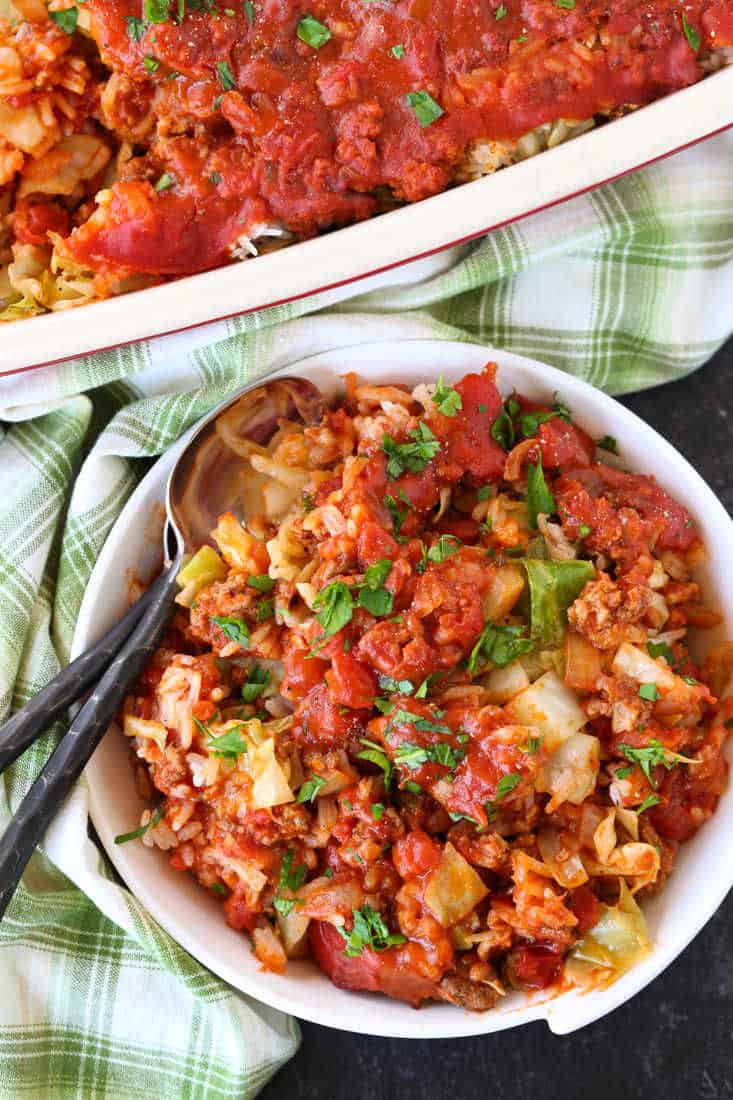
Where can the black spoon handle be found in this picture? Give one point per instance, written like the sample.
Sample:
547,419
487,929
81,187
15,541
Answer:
74,750
70,684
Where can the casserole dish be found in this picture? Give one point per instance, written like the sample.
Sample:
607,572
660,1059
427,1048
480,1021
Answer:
694,890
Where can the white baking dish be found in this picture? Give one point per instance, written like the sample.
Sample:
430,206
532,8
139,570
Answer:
339,257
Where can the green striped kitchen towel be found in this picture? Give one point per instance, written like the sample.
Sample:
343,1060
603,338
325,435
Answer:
627,287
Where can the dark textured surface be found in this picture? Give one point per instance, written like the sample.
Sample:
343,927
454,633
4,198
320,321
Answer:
675,1039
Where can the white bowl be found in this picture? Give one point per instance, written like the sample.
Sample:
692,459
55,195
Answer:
703,872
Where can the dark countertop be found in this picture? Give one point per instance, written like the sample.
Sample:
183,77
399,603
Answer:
675,1039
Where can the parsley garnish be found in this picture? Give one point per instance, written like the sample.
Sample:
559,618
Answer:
66,19
399,687
377,810
539,498
219,888
257,681
531,745
649,692
398,51
369,930
608,443
335,606
426,109
229,746
135,27
439,752
447,399
660,649
584,530
502,430
234,629
649,757
412,456
500,12
312,32
265,610
375,754
156,11
398,517
505,786
291,878
691,34
249,11
261,582
649,801
373,597
568,5
499,645
151,65
155,819
310,788
445,547
226,79
165,181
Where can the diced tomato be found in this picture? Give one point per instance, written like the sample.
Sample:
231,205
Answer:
462,526
534,966
415,854
586,907
564,444
319,720
32,222
375,544
392,972
687,801
468,434
350,683
302,672
239,915
420,489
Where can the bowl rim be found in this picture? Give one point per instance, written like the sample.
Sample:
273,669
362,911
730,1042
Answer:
564,1011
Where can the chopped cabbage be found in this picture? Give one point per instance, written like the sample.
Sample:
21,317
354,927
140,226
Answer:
454,889
619,940
269,785
638,665
551,708
204,567
567,867
570,773
502,684
553,586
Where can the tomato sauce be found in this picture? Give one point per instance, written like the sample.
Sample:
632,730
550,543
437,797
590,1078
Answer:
259,121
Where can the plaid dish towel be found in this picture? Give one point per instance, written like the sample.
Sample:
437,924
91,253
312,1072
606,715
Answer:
627,287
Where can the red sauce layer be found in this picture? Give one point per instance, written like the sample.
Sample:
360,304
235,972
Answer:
255,125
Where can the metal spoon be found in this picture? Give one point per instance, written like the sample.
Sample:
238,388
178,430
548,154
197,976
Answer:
205,481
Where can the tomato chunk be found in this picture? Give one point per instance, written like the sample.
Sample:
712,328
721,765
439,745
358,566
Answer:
534,966
350,683
392,972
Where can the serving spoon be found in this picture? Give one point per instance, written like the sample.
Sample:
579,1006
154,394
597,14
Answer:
206,480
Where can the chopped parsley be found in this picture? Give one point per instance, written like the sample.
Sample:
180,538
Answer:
369,930
307,502
398,517
249,11
155,819
426,109
425,725
215,178
261,582
539,498
312,32
584,530
398,687
650,756
219,888
483,493
398,51
375,754
499,645
257,681
444,548
377,810
66,19
151,64
165,181
660,649
649,801
291,878
310,788
531,745
135,27
373,596
502,430
413,456
691,34
649,692
505,786
226,78
229,746
412,787
608,443
500,12
334,605
234,629
447,399
156,11
568,5
265,610
414,756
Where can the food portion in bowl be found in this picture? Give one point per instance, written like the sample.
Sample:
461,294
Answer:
429,714
143,141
